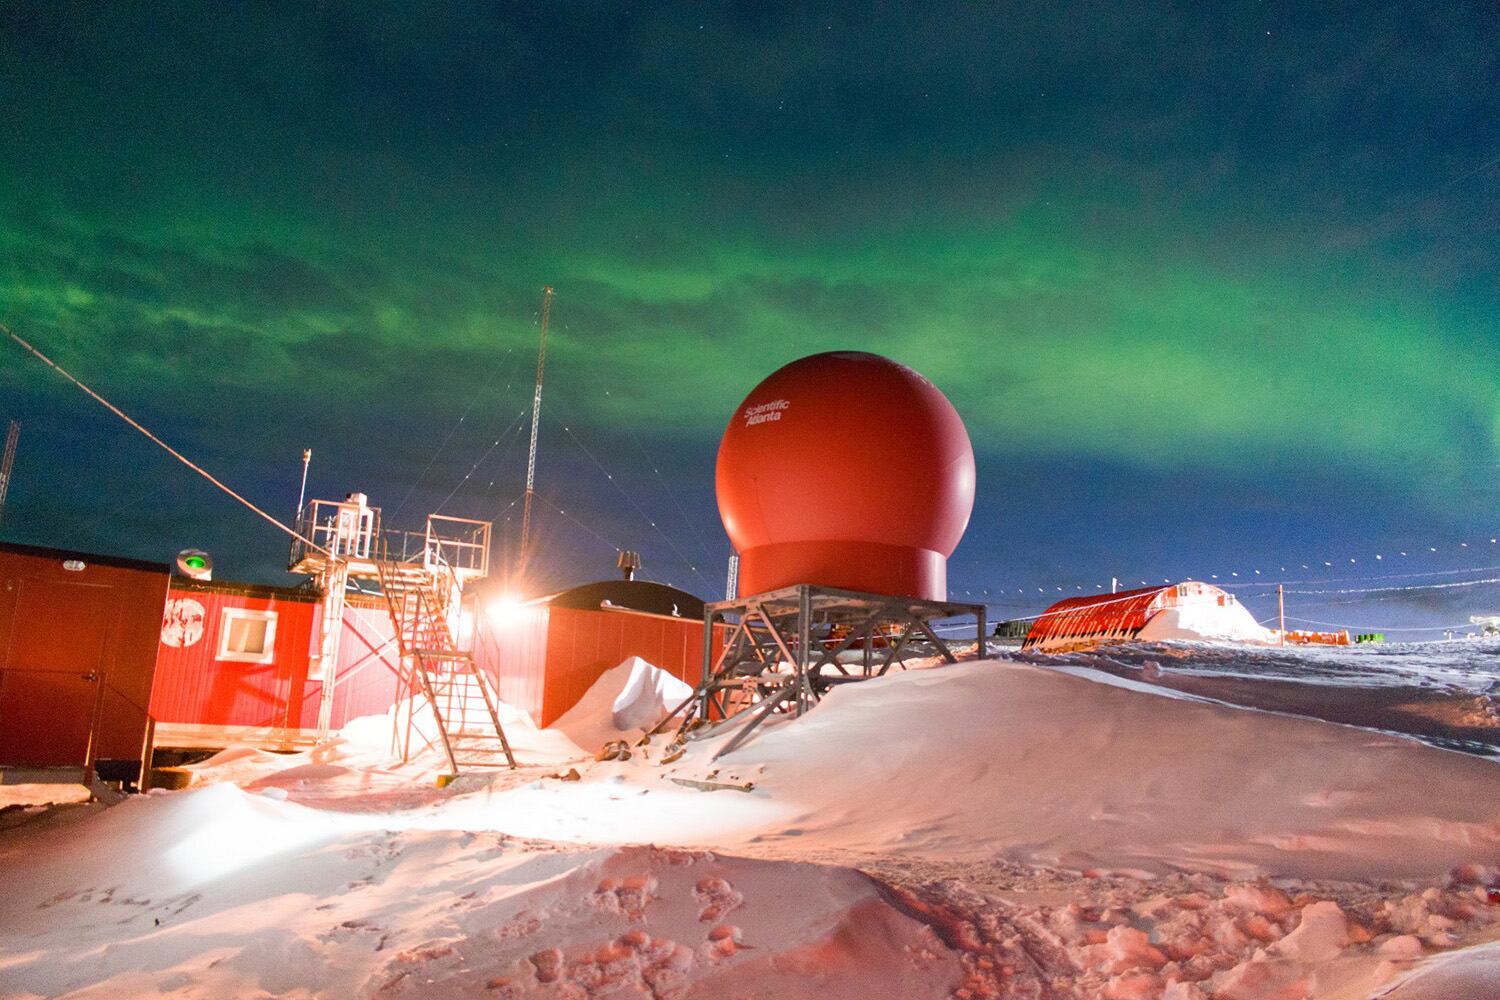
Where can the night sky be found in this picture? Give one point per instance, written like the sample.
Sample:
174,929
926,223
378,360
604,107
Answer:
1214,287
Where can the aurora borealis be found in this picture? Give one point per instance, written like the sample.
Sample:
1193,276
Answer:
1214,289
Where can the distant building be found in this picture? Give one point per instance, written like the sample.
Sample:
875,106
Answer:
1190,611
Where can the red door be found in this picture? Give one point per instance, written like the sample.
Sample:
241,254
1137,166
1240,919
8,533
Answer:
53,670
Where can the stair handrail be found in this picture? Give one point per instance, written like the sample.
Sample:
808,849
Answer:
451,591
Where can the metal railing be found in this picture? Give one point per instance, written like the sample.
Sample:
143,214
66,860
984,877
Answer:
461,544
347,530
339,527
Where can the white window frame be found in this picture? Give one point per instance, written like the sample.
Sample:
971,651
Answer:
230,615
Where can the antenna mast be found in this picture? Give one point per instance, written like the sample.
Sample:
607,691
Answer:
9,461
536,416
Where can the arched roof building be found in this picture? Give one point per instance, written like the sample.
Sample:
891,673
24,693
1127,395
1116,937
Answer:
1190,610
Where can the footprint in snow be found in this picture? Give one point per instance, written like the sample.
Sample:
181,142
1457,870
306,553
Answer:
718,898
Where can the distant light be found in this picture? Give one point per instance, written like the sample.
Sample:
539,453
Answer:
195,562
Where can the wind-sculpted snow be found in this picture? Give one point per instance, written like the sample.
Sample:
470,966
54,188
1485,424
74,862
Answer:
978,832
422,914
1471,666
1005,759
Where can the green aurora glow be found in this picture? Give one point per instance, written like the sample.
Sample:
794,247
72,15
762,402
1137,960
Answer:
340,242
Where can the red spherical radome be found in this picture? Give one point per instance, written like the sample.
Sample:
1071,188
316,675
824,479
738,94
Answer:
846,470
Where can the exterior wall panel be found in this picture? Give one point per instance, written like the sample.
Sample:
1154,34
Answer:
513,653
582,645
77,655
267,702
366,679
195,687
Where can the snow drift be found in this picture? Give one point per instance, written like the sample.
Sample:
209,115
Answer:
1005,759
294,903
1205,621
623,701
1162,818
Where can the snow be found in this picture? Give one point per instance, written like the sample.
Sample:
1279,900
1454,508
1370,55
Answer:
625,700
966,762
1470,974
1471,666
252,895
985,830
1205,619
531,744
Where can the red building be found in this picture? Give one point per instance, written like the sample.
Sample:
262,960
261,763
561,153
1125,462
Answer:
1190,610
235,664
101,651
543,655
78,638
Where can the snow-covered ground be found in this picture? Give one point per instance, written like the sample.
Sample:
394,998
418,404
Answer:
1463,665
993,829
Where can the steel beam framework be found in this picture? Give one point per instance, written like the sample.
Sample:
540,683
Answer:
784,649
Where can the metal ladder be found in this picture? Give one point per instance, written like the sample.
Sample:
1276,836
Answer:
462,701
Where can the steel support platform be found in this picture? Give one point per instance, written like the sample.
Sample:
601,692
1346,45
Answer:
784,649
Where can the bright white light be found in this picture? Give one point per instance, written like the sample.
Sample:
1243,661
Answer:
465,628
504,610
233,829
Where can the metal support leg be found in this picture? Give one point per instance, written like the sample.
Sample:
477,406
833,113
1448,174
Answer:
804,644
761,712
777,627
708,660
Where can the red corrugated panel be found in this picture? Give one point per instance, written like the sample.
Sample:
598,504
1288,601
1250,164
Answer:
513,652
367,672
194,686
544,658
582,645
77,655
1095,616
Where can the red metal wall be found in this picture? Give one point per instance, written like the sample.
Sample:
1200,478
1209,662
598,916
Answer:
582,645
545,659
542,660
77,654
513,653
194,687
365,681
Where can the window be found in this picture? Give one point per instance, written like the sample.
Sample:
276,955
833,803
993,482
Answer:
247,636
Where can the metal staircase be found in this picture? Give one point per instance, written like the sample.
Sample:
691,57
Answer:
423,601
